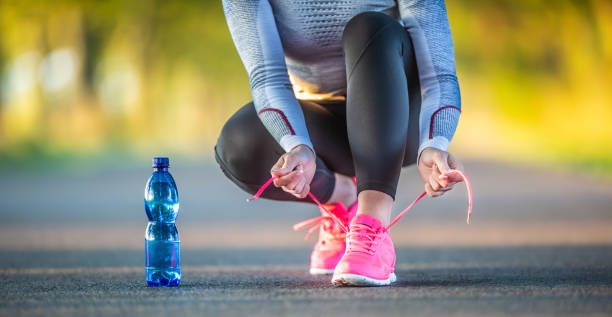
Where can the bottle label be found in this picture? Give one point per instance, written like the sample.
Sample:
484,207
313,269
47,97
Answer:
162,254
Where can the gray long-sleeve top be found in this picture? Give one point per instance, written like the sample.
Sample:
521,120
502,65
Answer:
303,37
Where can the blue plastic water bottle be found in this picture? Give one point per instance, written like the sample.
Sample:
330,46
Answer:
161,238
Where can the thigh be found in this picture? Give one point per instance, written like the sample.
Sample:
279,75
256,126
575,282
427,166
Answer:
326,123
247,151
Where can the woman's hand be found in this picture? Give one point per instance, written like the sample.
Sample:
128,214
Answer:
435,169
295,169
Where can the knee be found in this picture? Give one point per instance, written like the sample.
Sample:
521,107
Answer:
363,27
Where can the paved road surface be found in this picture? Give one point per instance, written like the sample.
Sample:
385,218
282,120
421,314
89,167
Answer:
71,244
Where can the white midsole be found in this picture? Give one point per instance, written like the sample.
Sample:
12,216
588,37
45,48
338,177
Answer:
360,280
316,271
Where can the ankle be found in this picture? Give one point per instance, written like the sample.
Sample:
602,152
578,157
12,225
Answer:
376,204
345,191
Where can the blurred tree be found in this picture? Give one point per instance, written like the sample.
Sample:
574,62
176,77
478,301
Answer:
87,77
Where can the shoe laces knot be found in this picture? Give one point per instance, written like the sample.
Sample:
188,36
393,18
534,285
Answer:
362,238
325,222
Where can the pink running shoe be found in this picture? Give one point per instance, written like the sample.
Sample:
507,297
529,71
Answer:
369,259
330,246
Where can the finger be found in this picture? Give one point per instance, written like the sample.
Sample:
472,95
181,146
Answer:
286,176
290,162
454,163
292,192
430,191
444,180
287,165
441,161
452,177
298,193
277,167
449,179
433,182
304,192
295,181
283,179
438,177
287,179
299,188
445,189
279,172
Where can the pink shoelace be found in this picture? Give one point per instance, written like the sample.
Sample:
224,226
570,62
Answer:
299,226
362,245
322,221
329,215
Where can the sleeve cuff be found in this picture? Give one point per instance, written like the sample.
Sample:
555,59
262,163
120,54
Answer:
438,142
288,142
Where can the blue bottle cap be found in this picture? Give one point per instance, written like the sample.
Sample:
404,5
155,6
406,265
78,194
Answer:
161,162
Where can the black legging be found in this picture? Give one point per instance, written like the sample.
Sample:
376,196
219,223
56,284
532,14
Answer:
370,136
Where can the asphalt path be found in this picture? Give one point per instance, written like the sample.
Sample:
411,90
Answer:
71,244
515,281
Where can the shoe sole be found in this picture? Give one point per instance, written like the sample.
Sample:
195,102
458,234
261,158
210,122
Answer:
316,271
360,280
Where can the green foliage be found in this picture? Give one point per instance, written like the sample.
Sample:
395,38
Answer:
164,76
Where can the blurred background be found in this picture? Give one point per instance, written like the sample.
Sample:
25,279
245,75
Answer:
91,90
83,80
